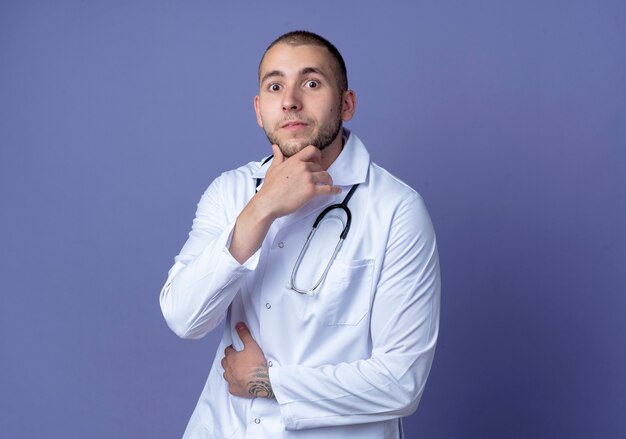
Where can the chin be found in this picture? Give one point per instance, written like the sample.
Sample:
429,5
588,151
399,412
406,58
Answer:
292,147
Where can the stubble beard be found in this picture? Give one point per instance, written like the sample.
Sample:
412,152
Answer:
322,139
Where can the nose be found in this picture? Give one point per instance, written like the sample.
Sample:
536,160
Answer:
291,100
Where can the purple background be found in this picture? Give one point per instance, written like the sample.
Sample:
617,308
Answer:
508,117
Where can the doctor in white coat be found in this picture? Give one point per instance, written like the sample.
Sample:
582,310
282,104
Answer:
320,339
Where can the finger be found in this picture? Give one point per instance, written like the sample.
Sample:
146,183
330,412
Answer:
323,189
310,153
244,334
229,350
322,177
278,156
223,363
312,166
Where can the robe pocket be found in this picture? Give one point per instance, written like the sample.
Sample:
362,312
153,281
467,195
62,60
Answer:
344,298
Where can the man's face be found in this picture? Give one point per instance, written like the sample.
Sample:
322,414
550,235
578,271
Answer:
299,103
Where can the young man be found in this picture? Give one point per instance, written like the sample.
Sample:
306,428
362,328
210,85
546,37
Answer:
320,338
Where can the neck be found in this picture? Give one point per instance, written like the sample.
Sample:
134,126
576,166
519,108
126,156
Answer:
332,151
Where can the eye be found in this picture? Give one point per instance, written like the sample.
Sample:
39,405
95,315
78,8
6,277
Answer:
312,83
274,87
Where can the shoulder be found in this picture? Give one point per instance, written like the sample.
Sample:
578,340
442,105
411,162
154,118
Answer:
244,172
235,180
385,185
399,205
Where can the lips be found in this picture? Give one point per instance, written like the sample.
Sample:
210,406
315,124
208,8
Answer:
294,124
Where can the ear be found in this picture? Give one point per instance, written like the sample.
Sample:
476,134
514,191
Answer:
257,110
348,105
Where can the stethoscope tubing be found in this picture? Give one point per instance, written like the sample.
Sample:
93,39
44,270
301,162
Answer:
346,228
343,206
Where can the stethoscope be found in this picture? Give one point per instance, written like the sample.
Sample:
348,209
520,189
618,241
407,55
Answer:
346,228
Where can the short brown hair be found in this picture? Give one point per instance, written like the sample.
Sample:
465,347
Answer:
302,38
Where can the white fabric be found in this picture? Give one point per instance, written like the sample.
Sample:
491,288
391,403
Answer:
346,362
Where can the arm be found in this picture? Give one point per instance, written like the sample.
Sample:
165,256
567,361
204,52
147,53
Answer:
205,277
210,269
404,328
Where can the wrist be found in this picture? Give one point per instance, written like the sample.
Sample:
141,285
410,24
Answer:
261,210
259,385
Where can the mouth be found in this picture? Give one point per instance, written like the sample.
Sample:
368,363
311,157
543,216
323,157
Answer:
294,124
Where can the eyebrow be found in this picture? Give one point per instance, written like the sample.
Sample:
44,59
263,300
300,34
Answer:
304,71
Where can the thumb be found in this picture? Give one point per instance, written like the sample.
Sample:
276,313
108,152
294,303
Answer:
278,155
244,334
